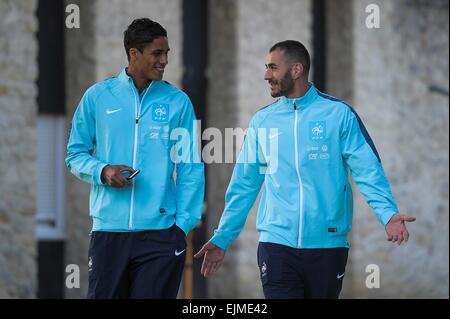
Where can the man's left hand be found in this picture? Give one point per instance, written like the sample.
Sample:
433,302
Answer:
396,228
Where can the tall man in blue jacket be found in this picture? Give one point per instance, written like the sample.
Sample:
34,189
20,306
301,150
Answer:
306,207
137,121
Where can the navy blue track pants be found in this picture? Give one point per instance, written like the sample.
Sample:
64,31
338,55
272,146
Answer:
291,273
146,264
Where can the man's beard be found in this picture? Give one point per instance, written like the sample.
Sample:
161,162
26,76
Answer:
286,85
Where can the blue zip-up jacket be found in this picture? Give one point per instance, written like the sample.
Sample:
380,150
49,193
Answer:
126,128
307,200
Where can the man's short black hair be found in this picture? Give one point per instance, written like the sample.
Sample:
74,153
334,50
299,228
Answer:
295,52
140,33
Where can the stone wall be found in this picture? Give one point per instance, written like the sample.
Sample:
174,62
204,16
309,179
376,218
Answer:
114,16
18,109
221,113
80,74
400,89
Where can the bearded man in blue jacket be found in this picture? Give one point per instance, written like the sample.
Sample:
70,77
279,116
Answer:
306,208
138,123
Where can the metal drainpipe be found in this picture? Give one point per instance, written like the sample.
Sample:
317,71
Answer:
319,44
50,230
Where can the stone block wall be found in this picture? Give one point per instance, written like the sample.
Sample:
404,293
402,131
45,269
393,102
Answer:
18,109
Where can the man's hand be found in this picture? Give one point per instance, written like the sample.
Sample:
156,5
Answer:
396,229
213,258
111,175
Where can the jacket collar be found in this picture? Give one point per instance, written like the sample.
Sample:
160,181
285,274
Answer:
126,79
123,76
303,101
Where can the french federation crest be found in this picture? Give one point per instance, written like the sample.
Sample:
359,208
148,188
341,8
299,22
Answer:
317,130
160,112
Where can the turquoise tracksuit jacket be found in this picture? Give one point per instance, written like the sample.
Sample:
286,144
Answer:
307,200
139,131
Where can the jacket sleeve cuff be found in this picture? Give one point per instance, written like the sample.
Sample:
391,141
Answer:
386,217
220,241
98,174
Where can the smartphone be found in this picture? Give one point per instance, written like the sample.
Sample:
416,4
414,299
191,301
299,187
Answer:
133,174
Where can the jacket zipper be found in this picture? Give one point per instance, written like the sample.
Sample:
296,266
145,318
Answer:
297,168
137,108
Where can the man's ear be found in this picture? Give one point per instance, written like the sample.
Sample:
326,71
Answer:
133,53
297,71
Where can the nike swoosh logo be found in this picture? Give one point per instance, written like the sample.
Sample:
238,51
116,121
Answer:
178,253
340,276
273,136
112,111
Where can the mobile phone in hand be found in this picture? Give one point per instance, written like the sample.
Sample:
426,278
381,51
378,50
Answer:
129,174
133,174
